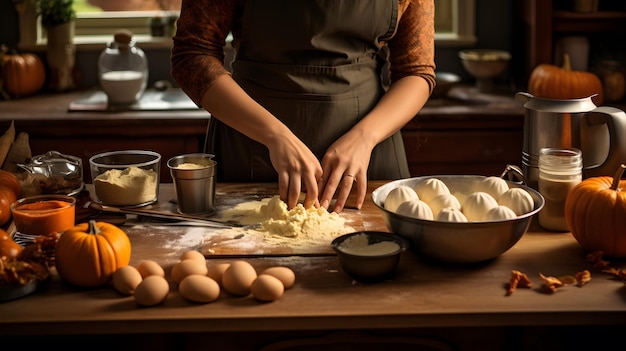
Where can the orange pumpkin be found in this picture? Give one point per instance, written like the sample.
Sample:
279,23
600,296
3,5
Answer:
552,82
7,197
10,180
88,254
595,212
23,74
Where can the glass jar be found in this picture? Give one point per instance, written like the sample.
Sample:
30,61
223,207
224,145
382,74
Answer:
123,70
560,170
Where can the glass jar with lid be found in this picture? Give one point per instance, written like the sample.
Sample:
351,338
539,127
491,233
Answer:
123,70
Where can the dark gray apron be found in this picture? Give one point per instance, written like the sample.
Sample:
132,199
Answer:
316,67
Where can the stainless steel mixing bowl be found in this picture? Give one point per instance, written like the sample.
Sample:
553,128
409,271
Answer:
455,242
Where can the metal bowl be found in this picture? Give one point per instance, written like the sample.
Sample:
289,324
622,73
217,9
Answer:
455,242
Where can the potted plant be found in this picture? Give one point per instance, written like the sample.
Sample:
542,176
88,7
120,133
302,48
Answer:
57,17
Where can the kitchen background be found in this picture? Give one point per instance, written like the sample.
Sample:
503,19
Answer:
494,29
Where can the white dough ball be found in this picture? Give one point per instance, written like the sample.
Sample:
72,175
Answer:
399,195
494,186
477,204
415,208
518,200
431,188
451,214
442,201
499,213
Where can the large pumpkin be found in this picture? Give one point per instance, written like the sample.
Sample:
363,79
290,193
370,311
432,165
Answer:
561,83
88,254
595,212
22,74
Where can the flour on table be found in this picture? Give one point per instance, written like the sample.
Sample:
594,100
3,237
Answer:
296,227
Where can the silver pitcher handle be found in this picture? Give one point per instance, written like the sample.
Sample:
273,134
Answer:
615,119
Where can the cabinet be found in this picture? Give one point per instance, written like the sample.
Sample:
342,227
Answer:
543,22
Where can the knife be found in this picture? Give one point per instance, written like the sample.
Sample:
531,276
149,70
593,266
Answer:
158,214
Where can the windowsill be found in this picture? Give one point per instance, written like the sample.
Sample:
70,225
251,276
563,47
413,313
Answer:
146,41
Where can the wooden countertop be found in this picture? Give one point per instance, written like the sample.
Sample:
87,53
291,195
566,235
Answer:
422,294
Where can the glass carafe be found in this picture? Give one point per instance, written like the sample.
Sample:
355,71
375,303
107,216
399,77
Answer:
123,70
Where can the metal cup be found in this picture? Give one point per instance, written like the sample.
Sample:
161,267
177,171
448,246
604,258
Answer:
194,181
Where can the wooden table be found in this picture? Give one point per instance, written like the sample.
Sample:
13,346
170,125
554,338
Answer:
429,304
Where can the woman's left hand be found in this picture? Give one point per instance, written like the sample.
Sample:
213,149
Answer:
344,168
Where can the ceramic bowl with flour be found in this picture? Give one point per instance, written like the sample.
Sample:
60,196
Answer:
126,178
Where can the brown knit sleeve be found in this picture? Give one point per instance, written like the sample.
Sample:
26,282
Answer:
198,46
412,49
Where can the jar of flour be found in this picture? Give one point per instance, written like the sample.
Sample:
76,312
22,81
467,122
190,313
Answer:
123,70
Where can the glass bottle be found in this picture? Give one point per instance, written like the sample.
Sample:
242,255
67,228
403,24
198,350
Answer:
560,169
123,70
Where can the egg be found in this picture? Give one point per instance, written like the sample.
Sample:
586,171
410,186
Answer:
518,200
284,274
477,204
451,214
193,255
494,186
125,279
399,195
199,288
152,291
148,267
499,213
187,267
267,288
430,188
440,202
415,209
216,271
238,278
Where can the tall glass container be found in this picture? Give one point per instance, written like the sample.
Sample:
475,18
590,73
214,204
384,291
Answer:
123,70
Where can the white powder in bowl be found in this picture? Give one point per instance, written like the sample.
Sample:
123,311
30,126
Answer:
359,245
128,187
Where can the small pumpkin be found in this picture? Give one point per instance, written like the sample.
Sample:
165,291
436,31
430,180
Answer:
561,83
23,74
7,197
89,253
10,180
8,247
595,212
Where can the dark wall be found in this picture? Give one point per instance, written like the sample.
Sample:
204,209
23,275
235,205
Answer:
494,30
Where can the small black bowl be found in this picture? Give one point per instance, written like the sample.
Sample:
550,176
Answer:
364,260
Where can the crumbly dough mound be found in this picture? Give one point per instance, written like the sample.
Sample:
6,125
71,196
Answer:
127,187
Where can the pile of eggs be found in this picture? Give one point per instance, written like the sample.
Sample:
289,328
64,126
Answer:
489,199
199,282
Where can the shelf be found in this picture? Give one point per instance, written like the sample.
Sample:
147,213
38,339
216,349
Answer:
600,21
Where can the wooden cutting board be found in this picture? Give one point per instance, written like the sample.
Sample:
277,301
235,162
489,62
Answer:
171,239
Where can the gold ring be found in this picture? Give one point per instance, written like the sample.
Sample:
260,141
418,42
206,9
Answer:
352,176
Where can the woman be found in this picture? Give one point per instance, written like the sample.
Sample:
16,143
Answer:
305,104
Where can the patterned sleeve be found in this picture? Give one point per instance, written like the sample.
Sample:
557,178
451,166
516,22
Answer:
198,50
412,49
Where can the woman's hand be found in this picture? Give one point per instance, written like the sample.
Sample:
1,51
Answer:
345,167
298,170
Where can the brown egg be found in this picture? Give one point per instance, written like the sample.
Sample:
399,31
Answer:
284,274
151,291
216,271
193,255
199,288
187,267
238,277
267,288
148,267
125,279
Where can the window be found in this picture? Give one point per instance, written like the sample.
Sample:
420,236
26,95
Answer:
99,19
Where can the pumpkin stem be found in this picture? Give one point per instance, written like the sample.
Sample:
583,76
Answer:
617,177
93,227
567,64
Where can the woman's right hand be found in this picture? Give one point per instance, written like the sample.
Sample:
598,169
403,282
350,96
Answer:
298,169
